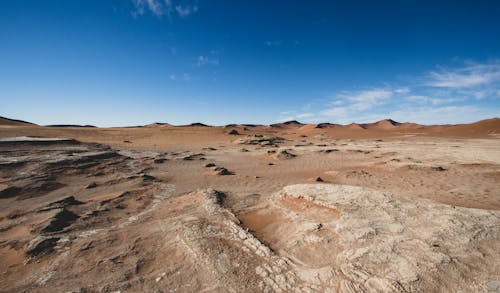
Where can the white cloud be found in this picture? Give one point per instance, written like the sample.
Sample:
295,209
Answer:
403,90
205,60
186,10
164,7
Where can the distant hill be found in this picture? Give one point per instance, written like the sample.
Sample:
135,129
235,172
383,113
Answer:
287,124
198,124
158,124
14,122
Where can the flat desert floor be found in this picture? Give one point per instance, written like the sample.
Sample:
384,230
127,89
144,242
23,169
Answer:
290,208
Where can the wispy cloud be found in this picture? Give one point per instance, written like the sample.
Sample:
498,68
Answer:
456,80
366,99
186,10
433,101
164,7
448,95
472,75
180,77
305,115
348,105
205,60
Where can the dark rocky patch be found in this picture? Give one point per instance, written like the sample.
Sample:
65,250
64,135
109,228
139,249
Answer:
61,220
41,246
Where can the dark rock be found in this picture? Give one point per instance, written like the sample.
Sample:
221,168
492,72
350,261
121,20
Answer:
261,140
209,149
146,177
193,156
222,171
10,192
159,161
42,245
439,168
329,151
284,154
60,221
91,185
60,204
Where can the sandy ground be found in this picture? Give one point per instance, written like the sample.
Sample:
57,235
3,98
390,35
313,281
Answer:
192,209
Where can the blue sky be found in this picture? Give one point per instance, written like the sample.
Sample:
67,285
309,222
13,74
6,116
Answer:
131,62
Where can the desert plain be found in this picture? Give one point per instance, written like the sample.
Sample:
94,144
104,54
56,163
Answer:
288,207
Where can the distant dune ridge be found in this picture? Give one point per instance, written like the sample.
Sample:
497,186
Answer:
70,125
484,127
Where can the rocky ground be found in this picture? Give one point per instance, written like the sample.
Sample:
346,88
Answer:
256,213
